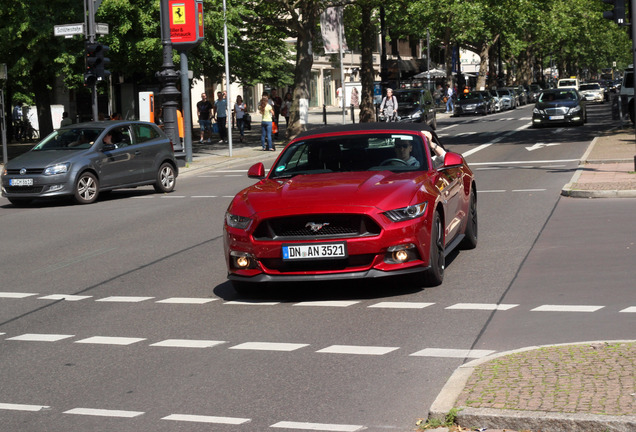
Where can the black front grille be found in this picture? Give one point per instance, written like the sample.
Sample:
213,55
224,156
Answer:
24,189
319,226
29,171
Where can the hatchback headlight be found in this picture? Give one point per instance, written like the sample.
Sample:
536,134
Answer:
406,213
235,221
56,169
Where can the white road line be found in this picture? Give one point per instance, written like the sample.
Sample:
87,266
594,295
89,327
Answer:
204,196
104,412
251,303
67,297
22,407
533,162
454,353
187,343
329,303
105,340
401,305
38,337
631,309
317,426
268,346
206,419
491,191
482,306
566,308
362,350
173,196
124,299
16,295
186,300
529,190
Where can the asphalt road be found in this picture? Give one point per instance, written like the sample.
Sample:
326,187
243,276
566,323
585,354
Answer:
151,336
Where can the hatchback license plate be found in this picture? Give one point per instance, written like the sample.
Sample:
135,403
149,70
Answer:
315,251
21,182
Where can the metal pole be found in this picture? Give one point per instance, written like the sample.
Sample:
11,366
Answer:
186,106
428,59
168,77
342,81
5,157
228,101
632,10
91,39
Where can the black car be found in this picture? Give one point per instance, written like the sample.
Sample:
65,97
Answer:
559,106
416,106
474,102
82,160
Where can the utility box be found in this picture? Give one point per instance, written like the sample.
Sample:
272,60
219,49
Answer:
147,106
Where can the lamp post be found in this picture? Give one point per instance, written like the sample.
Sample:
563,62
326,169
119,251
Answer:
168,78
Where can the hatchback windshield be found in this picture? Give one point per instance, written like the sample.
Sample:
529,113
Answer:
69,139
372,152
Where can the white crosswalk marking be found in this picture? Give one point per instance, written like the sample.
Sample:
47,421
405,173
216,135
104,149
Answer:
187,343
482,306
401,305
364,350
125,299
566,308
206,419
187,300
104,412
22,407
67,297
105,340
454,353
35,337
631,309
16,295
269,346
317,426
329,303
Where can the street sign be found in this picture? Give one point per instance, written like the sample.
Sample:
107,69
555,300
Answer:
68,29
101,28
186,23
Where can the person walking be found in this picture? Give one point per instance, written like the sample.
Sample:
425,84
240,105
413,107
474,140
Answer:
389,106
449,100
286,109
267,112
204,107
239,112
277,102
220,114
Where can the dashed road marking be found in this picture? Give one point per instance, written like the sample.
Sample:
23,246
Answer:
206,419
22,407
362,350
67,297
37,337
187,343
317,426
187,300
16,295
104,412
268,346
329,303
454,353
482,306
106,340
566,308
401,305
124,299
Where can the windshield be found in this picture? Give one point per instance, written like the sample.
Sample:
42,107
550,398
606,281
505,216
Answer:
346,153
69,139
590,87
470,95
558,96
408,97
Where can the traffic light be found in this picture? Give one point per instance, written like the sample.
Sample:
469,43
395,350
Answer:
617,14
96,63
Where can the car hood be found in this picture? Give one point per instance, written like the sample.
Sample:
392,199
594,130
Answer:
42,158
334,192
556,104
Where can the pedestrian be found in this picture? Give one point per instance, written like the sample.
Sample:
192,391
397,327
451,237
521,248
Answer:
355,98
239,113
389,106
220,114
286,109
267,112
204,107
449,99
277,102
65,119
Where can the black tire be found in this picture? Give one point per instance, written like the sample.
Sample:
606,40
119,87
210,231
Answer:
86,188
166,178
436,260
20,202
472,227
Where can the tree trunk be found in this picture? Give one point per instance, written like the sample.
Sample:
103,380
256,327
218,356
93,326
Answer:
367,107
41,84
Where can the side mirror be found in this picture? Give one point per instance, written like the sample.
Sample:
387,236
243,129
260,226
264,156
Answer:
452,159
256,171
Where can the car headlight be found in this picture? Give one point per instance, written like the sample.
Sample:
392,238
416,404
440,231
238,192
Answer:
56,169
235,221
406,213
537,111
575,110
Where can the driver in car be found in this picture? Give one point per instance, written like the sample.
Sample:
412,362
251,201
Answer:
403,151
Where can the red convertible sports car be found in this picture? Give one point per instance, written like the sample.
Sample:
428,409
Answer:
348,202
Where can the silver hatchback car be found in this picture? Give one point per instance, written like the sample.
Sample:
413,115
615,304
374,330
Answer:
82,160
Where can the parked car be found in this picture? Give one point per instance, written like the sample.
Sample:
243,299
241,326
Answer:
534,90
592,92
416,105
497,99
347,202
82,160
559,106
522,96
474,102
508,97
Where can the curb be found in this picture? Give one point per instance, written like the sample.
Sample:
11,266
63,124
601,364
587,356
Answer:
521,420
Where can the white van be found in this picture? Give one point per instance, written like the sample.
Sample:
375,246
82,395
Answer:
568,83
627,92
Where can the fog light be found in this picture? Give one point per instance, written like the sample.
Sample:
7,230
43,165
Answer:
54,188
242,262
401,253
400,256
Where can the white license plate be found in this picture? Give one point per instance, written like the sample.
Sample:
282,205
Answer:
21,182
315,251
557,117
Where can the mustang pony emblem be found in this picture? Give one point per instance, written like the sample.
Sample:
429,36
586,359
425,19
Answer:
316,227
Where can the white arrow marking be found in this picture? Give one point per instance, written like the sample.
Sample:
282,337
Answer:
541,145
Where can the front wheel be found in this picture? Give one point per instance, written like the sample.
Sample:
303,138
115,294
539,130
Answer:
470,234
436,259
166,178
86,188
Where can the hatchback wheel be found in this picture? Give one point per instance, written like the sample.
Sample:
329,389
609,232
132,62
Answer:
86,188
166,178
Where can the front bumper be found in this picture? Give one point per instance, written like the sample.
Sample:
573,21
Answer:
43,186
